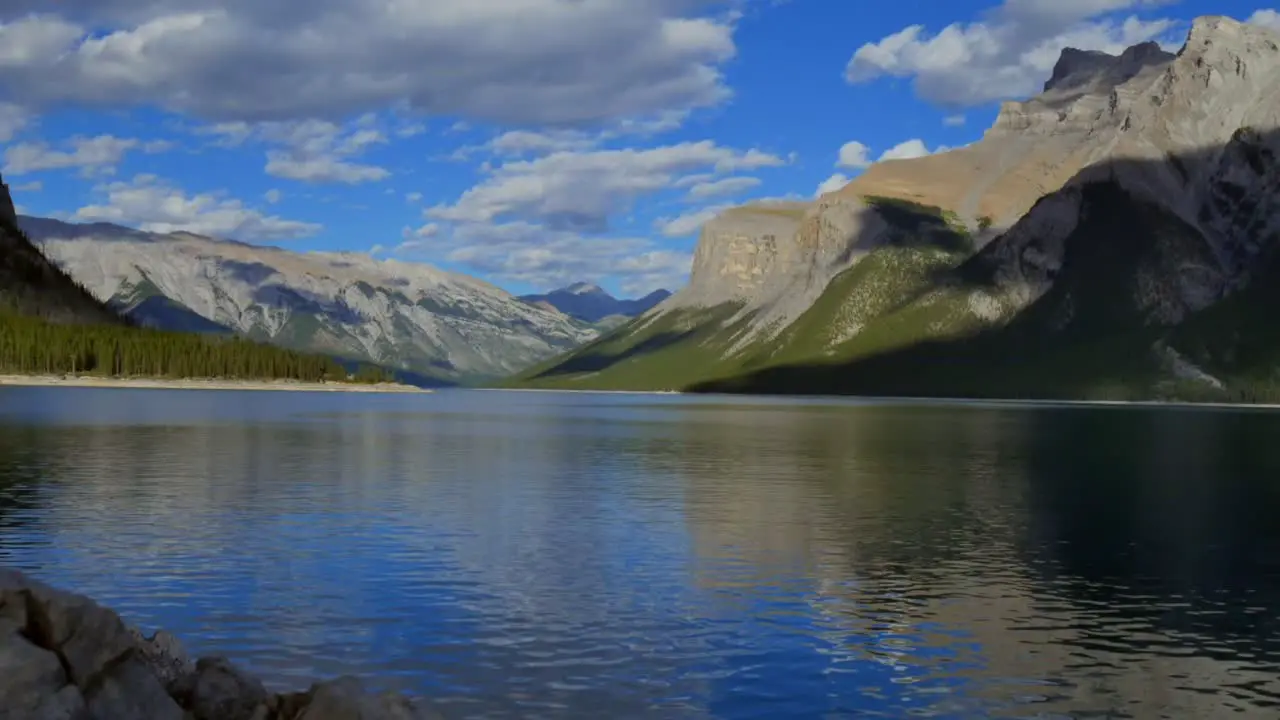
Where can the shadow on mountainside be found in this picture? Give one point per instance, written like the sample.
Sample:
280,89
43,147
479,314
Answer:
32,285
1126,273
596,357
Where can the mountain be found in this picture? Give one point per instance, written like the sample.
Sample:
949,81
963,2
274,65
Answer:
50,324
590,303
401,315
1116,236
32,286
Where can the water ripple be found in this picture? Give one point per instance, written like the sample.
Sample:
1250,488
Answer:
576,556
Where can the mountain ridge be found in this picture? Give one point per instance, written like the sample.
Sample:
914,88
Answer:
979,252
591,303
401,315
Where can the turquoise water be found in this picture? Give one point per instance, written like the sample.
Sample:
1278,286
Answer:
573,555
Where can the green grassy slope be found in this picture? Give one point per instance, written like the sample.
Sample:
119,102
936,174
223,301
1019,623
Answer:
663,353
887,299
1089,337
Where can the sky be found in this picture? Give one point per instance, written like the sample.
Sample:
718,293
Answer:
532,143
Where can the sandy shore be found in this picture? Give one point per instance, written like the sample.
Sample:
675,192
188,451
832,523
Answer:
195,384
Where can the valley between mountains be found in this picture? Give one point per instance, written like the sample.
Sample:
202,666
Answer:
1117,236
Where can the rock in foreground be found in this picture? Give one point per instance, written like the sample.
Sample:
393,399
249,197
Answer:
64,657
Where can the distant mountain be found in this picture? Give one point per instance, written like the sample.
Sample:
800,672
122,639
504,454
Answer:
590,303
400,315
1116,236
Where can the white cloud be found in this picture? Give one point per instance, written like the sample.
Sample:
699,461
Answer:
580,191
321,169
1266,18
831,184
155,205
953,120
411,130
377,249
906,150
1007,55
33,186
12,119
317,151
689,223
413,197
527,142
724,187
526,253
429,230
855,155
92,155
272,196
535,61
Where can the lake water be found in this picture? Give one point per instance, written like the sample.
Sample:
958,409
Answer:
591,556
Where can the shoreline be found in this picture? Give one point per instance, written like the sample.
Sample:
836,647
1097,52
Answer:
69,657
144,383
917,400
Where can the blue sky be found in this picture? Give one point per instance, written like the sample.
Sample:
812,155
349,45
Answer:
529,142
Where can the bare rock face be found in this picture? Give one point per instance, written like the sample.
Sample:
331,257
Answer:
64,657
774,260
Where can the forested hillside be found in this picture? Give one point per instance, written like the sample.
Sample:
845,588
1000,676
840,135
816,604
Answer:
51,325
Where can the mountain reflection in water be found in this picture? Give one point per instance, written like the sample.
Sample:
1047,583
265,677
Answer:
589,556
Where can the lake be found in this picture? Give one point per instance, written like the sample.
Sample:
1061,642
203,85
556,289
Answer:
521,554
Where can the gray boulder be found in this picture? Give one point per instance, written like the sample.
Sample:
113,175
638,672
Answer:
64,657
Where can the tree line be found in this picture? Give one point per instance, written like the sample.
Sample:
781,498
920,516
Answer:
31,346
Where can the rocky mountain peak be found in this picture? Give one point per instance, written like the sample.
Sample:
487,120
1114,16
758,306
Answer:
1074,64
1078,68
585,288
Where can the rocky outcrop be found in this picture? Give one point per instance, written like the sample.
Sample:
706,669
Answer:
64,657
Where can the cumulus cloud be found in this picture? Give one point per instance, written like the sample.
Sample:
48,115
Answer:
12,119
528,142
831,184
92,155
689,223
545,61
1008,54
155,205
317,151
1266,18
908,149
423,232
527,253
724,187
854,154
580,191
272,196
413,197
